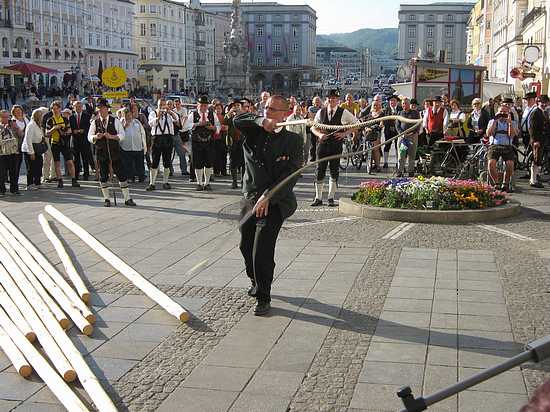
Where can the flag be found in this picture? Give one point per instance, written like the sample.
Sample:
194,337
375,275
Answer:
100,70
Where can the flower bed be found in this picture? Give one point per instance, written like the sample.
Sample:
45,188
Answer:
437,193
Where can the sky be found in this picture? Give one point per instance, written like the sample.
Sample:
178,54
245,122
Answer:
343,16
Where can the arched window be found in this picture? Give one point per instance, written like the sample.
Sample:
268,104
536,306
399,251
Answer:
5,47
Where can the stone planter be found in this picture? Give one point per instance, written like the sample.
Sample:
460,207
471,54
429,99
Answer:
349,208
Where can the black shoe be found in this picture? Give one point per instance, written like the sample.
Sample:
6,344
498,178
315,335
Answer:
317,202
150,188
199,188
207,188
331,203
385,166
75,183
107,203
60,184
130,202
192,180
171,174
262,308
166,186
537,185
185,173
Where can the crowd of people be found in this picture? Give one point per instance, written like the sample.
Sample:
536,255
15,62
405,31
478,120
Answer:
99,142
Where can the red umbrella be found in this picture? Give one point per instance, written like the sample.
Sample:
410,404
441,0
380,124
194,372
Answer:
27,69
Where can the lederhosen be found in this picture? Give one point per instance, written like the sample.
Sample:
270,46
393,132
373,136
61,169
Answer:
329,147
108,150
202,149
163,143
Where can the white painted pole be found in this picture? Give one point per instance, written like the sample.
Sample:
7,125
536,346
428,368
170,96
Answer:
132,275
59,388
32,306
14,354
87,378
38,277
52,272
14,313
52,304
79,285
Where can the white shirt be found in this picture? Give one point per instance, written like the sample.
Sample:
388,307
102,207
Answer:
190,125
118,126
134,137
347,117
182,113
161,125
33,134
460,116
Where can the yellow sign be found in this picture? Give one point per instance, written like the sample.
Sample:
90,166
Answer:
115,95
113,77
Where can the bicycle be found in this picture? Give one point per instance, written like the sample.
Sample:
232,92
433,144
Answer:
347,147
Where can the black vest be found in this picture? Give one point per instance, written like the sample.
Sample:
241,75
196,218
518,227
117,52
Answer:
200,133
335,121
101,145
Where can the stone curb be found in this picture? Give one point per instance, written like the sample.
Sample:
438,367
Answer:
349,208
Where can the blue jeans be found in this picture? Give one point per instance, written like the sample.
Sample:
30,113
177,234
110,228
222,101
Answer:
178,145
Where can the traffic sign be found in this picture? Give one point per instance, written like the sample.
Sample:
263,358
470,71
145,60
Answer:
114,77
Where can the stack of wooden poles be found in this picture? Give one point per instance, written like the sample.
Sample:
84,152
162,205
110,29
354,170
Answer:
38,303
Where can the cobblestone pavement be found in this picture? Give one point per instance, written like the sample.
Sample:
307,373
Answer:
333,277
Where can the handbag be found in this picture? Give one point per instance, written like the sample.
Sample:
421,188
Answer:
40,148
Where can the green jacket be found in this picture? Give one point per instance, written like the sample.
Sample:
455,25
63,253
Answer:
269,158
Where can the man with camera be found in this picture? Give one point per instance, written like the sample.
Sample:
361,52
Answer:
162,122
501,131
58,130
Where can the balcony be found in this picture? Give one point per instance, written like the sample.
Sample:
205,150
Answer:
532,15
200,43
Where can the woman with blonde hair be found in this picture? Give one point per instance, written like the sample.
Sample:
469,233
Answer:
34,146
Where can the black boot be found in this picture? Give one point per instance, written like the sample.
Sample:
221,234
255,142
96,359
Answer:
234,184
262,307
75,183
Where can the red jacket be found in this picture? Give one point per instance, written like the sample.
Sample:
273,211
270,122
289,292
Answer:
435,121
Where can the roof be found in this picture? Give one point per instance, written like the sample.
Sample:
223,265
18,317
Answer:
339,49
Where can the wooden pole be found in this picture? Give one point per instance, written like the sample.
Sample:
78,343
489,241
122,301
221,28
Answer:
65,259
138,280
31,305
52,305
35,273
14,313
52,272
88,380
14,354
59,388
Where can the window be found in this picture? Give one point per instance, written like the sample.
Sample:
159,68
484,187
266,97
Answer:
295,31
260,31
173,55
277,31
450,17
142,29
107,41
411,31
412,47
277,61
122,42
98,40
295,47
430,17
153,53
143,54
430,31
91,61
294,62
449,31
165,54
260,61
449,56
260,17
277,47
412,17
429,47
90,39
153,29
142,8
260,47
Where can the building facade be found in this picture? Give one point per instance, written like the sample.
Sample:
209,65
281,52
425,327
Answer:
436,30
281,40
108,37
159,31
338,62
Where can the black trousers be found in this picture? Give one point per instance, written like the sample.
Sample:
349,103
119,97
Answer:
8,167
258,239
203,154
133,163
236,155
34,169
83,159
118,171
389,135
324,150
313,148
220,157
163,145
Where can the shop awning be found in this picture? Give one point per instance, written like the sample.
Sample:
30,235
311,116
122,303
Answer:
28,68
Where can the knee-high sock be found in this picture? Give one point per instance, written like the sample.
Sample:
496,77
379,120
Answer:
332,185
319,190
534,173
153,176
125,190
165,175
207,173
199,173
104,191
